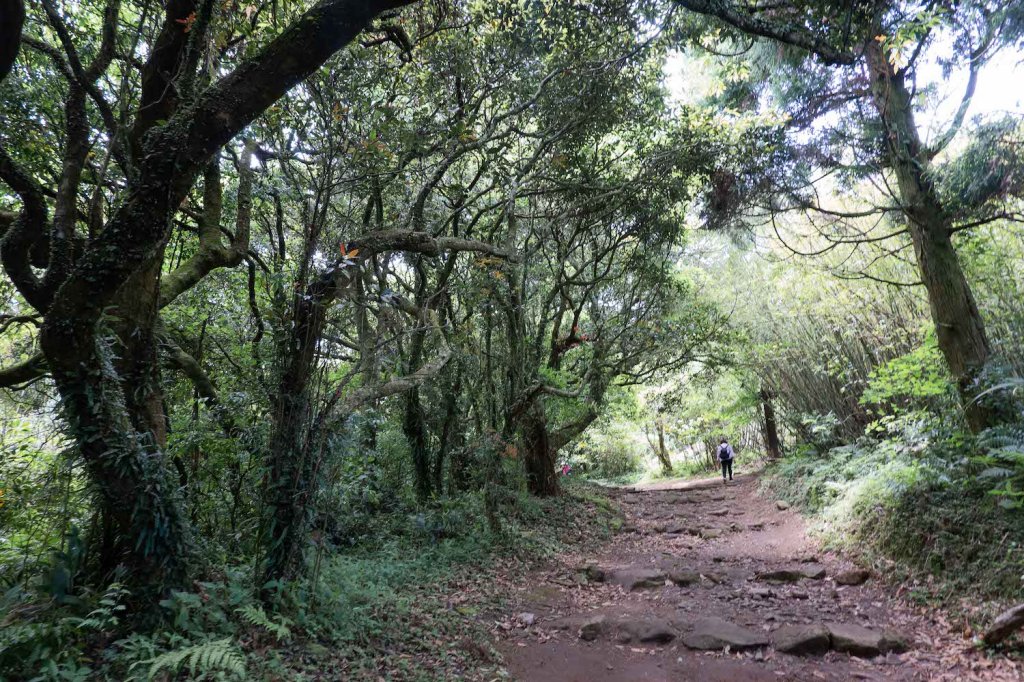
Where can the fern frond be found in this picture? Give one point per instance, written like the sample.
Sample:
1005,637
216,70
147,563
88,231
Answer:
219,655
255,615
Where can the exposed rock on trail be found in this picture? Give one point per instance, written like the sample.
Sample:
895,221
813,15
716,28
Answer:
636,578
653,630
739,596
1005,624
857,640
802,639
715,633
855,576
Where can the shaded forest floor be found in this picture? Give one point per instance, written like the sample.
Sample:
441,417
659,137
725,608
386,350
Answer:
431,610
702,567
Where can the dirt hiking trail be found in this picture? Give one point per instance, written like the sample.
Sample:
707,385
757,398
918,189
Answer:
714,582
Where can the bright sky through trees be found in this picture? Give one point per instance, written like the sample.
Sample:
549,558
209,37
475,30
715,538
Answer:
998,90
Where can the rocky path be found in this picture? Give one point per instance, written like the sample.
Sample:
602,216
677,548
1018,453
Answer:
713,582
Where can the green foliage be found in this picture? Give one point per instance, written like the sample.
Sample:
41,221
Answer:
1002,464
986,171
204,661
544,129
916,380
820,431
613,450
46,641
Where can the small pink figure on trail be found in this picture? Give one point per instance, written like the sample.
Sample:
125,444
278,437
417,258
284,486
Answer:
566,469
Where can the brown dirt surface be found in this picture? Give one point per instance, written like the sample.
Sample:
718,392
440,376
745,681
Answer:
757,569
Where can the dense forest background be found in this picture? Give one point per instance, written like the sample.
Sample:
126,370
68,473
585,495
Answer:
303,301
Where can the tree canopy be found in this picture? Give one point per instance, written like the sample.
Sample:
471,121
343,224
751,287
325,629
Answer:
273,270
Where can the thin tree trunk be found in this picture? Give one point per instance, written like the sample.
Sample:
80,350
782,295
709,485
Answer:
290,466
450,430
414,421
663,456
415,428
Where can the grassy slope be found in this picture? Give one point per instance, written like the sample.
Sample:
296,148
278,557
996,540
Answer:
923,520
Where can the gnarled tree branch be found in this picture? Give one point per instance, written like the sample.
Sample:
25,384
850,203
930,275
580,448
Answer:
743,19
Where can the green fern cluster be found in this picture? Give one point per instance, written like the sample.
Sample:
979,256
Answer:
1003,463
1005,437
255,615
217,656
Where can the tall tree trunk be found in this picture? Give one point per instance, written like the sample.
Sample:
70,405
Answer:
451,430
958,323
147,525
287,478
135,315
290,467
772,444
414,421
538,455
414,426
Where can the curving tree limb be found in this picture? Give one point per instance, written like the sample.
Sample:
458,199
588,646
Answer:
738,16
23,373
12,18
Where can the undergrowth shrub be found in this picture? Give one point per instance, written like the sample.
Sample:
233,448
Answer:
380,594
917,494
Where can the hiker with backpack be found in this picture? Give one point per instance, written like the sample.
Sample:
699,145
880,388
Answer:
725,457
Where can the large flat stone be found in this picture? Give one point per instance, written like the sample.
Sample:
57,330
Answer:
801,640
647,631
684,577
1005,625
592,628
856,640
636,578
715,633
894,641
814,572
782,575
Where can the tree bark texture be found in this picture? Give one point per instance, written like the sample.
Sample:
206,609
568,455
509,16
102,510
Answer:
772,444
538,455
958,323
